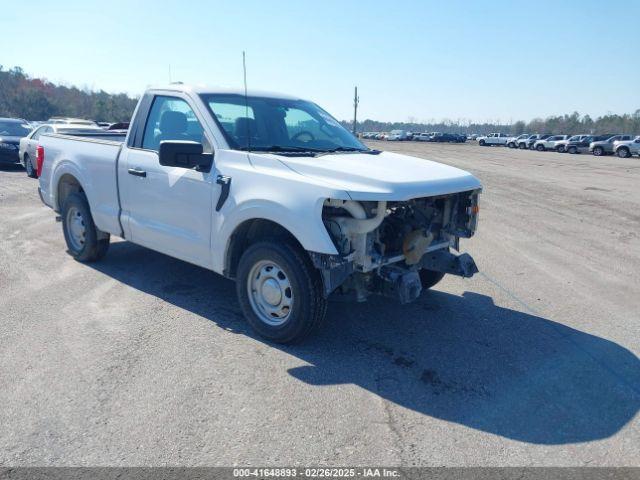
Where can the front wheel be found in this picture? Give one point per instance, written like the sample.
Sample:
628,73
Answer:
523,146
624,152
540,148
572,150
560,149
598,151
31,172
280,292
84,241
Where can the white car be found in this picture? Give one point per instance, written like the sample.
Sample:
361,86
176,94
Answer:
626,148
512,142
561,145
29,144
397,136
268,190
493,139
422,137
549,143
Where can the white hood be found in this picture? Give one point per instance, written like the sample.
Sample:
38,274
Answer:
386,176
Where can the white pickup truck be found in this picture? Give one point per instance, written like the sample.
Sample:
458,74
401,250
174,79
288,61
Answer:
493,139
266,189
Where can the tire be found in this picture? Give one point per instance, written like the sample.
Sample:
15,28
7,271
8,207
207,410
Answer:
523,146
598,151
430,278
85,242
623,152
482,143
301,305
28,165
572,150
560,149
540,148
511,145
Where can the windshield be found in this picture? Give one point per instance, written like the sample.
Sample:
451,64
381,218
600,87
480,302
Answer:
277,124
14,129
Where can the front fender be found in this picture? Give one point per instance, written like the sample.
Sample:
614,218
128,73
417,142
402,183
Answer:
304,224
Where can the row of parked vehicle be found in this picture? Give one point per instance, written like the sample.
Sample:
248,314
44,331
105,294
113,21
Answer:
621,145
403,135
19,138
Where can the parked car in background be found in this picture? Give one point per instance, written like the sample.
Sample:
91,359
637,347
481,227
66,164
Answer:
71,121
548,143
29,144
11,131
493,139
527,143
561,145
626,148
422,137
605,147
397,136
512,142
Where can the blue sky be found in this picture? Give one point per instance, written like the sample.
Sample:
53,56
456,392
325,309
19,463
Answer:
484,60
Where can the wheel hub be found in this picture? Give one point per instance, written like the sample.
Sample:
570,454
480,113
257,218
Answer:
270,292
76,228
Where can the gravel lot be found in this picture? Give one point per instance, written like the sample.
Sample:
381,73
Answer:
146,360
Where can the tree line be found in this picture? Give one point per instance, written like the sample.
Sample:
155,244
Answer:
35,99
561,124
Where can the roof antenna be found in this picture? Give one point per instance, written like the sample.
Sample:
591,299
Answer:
246,100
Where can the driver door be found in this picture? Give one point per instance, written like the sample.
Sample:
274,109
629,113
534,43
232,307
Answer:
168,209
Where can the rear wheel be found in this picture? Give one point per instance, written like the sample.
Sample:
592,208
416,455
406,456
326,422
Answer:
572,150
523,146
280,292
430,278
623,152
84,241
560,149
31,172
540,148
598,151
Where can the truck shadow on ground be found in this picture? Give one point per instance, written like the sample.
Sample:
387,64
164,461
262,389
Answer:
457,358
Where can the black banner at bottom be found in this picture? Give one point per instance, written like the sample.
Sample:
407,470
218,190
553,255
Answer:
223,473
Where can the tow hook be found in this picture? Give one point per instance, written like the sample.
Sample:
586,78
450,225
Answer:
444,261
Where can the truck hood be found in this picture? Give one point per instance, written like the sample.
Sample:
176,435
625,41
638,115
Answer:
386,176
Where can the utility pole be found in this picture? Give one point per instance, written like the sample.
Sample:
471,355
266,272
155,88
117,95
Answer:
356,101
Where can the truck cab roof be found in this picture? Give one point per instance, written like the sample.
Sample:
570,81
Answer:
207,89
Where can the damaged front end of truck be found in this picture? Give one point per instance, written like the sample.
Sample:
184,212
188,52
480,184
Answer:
389,247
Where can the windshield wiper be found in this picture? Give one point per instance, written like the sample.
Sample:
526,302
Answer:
368,151
282,148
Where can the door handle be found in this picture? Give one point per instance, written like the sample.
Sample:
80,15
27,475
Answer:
137,172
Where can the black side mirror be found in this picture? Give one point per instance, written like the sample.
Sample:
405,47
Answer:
184,154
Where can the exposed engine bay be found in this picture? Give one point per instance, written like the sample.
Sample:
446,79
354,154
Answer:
382,246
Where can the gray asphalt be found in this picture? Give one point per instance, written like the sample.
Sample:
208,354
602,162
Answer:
145,360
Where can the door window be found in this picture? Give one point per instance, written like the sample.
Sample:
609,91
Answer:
171,118
38,132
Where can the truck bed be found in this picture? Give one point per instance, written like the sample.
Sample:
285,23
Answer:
90,157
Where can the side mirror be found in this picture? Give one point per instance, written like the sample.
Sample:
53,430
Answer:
184,154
